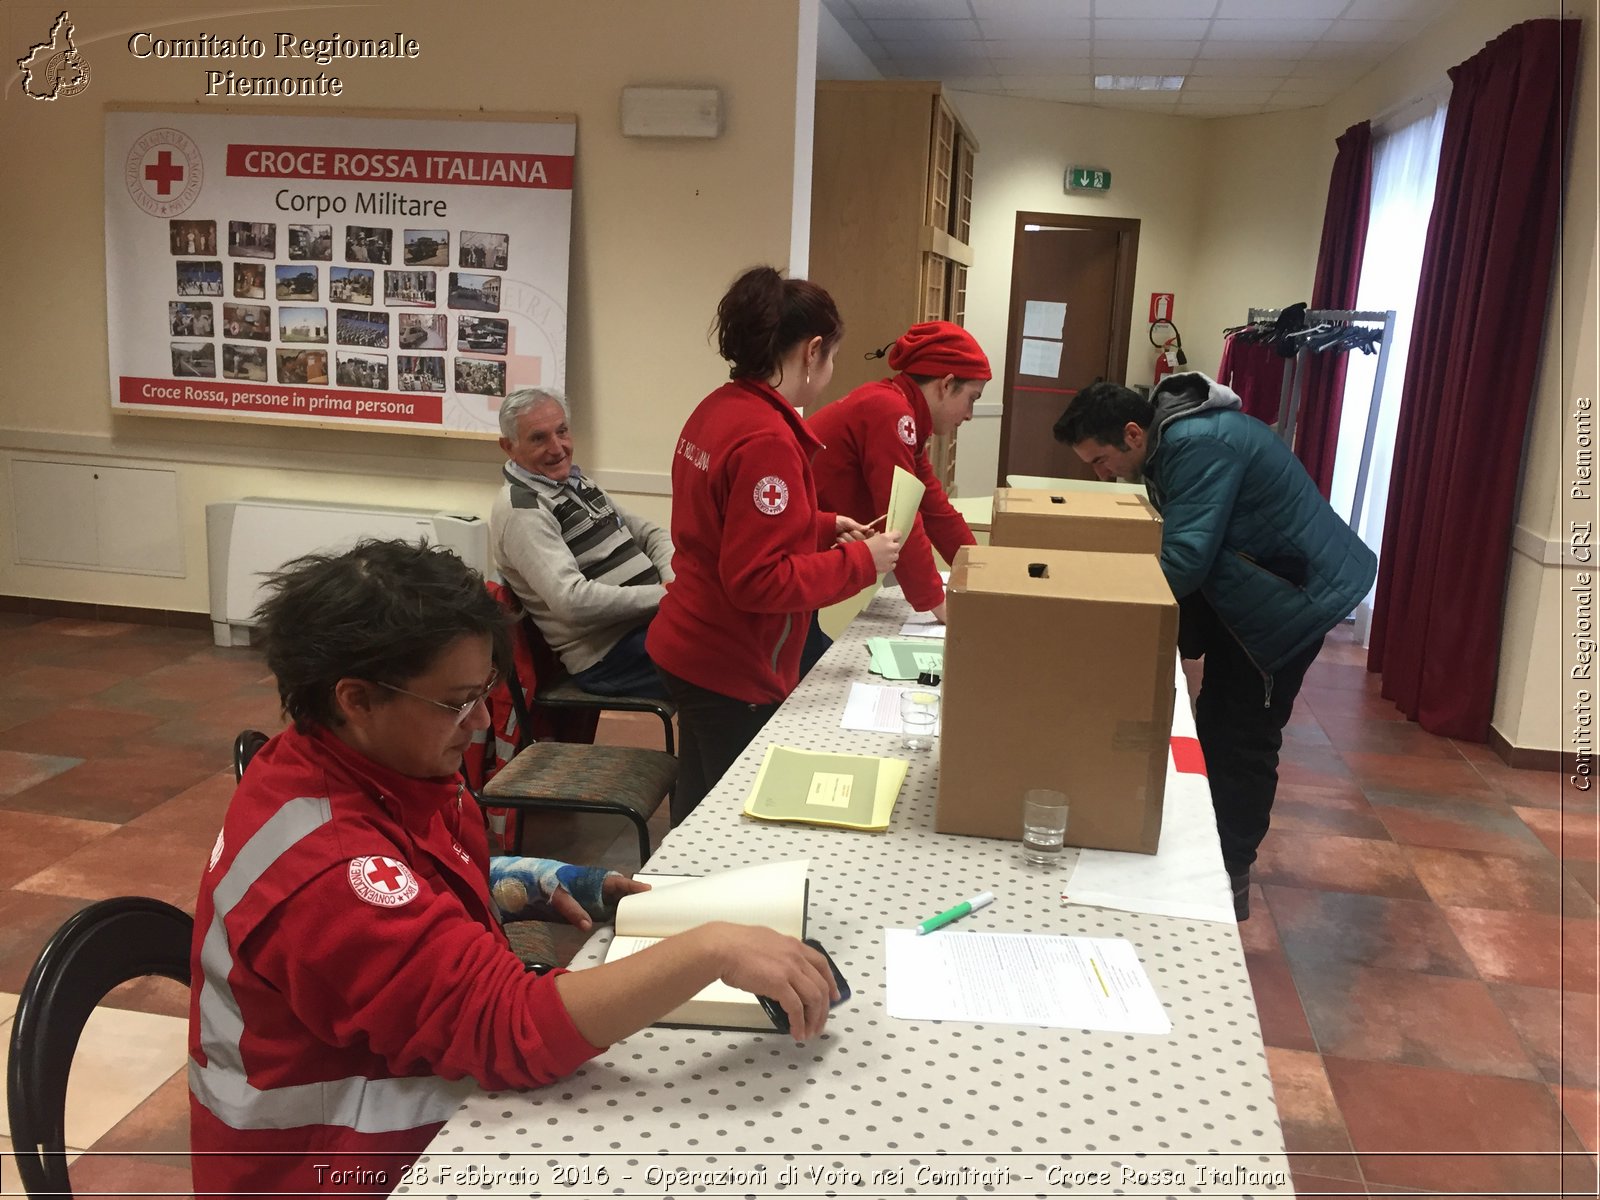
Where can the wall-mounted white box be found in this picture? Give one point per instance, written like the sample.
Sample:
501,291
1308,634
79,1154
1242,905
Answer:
676,112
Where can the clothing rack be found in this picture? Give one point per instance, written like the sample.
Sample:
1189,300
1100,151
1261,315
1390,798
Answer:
1294,376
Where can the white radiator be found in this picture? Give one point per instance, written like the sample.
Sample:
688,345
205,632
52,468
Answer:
245,538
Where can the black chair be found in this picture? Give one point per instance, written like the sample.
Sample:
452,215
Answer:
106,944
244,749
621,781
562,692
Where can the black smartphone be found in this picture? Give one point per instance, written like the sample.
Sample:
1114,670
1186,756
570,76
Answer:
774,1010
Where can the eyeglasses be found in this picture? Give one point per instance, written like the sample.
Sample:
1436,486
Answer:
460,711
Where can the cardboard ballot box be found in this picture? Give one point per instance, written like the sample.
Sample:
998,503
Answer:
1058,673
1075,519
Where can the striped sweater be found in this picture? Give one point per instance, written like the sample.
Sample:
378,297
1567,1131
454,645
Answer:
586,571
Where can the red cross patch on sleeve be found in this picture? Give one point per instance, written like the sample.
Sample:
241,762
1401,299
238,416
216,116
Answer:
907,429
384,882
772,495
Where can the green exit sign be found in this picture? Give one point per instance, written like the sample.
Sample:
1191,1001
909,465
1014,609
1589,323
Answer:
1088,179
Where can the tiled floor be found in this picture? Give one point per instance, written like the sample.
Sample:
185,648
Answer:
1423,944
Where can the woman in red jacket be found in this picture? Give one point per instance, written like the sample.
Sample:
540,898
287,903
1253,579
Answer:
351,979
754,555
884,425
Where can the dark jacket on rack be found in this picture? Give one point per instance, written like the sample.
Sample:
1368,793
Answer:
1245,526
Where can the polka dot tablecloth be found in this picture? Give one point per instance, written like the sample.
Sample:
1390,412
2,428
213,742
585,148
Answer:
880,1106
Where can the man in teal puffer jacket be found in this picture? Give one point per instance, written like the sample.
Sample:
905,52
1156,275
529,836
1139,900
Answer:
1261,565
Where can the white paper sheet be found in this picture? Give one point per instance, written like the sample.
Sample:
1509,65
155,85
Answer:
1184,877
922,625
1021,979
1044,319
1040,358
873,709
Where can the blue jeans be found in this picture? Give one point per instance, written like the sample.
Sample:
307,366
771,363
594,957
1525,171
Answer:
626,670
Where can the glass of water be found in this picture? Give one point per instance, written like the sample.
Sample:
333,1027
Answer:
919,718
1044,826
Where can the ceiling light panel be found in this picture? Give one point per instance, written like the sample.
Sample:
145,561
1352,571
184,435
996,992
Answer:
1138,83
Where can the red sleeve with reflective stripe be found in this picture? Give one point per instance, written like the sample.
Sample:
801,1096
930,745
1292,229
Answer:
423,985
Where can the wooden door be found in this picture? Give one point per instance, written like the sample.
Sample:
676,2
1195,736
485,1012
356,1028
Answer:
1071,306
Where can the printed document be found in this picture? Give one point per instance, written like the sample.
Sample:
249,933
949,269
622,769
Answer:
1021,979
873,709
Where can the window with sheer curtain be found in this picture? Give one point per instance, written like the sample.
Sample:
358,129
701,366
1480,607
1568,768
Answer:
1405,164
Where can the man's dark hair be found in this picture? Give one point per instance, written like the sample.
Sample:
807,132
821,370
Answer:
1102,411
383,611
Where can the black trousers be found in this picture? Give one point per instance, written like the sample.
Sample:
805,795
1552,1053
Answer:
1240,725
713,730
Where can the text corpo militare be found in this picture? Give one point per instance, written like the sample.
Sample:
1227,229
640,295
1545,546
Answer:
302,53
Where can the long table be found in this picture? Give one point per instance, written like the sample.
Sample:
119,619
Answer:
880,1106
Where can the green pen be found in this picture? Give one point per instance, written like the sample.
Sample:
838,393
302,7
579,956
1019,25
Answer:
956,913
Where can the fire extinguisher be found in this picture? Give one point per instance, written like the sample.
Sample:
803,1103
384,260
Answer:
1171,358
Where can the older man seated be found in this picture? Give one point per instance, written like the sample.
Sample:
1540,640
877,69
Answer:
589,574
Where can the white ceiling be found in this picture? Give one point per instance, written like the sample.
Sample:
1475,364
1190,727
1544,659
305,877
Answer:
1239,56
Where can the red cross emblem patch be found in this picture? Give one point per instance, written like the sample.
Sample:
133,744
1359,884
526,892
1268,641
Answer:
163,172
772,495
382,881
907,429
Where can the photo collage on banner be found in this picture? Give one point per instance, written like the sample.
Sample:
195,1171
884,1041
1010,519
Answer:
336,270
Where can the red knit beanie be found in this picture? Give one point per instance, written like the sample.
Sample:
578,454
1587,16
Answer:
939,348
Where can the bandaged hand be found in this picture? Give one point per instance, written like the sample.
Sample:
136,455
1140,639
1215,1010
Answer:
543,889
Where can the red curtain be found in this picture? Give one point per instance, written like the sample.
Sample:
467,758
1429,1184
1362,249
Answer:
1481,309
1344,239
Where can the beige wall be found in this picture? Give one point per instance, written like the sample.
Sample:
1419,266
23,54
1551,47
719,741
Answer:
1265,186
1025,147
659,228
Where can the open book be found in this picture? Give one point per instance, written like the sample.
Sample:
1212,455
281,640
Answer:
771,894
852,791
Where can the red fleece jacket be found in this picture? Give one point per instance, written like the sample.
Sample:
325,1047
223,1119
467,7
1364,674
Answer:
865,436
753,555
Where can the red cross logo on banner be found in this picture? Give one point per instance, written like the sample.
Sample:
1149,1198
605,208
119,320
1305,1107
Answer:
772,495
163,173
383,882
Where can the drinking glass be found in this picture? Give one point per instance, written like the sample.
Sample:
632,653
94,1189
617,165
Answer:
1044,826
919,718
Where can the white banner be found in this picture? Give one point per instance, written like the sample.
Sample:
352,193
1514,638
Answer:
376,273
